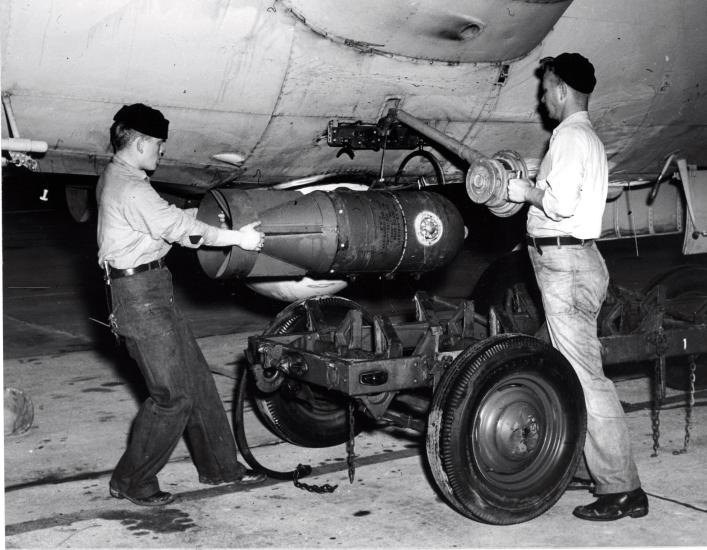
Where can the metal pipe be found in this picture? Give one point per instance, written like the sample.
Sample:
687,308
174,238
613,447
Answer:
10,116
20,145
467,153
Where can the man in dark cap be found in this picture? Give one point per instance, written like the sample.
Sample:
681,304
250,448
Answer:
136,229
564,219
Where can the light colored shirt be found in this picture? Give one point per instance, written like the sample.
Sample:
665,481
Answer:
575,176
135,224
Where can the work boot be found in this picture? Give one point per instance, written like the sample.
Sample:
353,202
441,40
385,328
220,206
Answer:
615,506
160,498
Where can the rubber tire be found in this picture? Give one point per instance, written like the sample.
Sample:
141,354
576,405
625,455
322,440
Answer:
487,386
321,420
684,279
429,157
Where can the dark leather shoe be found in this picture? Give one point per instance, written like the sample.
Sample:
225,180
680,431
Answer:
615,506
579,484
160,498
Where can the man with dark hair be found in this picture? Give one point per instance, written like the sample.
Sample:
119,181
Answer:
136,229
567,203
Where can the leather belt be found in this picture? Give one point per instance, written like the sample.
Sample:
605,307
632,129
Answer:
558,241
114,273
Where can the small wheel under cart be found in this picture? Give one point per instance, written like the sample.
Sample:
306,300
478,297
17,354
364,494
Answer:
299,413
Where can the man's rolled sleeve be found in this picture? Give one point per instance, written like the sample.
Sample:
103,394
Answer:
208,232
564,181
149,213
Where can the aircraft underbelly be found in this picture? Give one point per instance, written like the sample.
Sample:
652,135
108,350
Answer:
260,81
215,69
329,85
651,74
455,31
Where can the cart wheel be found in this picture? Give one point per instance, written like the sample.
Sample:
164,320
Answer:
299,413
506,429
682,282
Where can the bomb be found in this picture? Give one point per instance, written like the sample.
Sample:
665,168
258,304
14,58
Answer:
340,232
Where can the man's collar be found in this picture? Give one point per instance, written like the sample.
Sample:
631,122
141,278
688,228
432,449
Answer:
574,117
124,164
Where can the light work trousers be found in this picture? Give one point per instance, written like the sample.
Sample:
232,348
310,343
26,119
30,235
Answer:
573,281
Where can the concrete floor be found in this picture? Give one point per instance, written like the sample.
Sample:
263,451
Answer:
85,394
57,473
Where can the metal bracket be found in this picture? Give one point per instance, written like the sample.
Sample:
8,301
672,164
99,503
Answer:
378,403
351,136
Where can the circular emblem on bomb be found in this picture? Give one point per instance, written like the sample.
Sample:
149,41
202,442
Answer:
428,228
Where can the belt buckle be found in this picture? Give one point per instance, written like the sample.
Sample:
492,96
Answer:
536,245
106,272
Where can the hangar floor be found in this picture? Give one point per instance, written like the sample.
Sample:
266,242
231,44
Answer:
85,395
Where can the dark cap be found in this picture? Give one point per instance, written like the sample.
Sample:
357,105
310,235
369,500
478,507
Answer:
144,119
574,69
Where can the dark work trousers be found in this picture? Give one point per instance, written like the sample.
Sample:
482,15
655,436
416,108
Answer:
183,396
